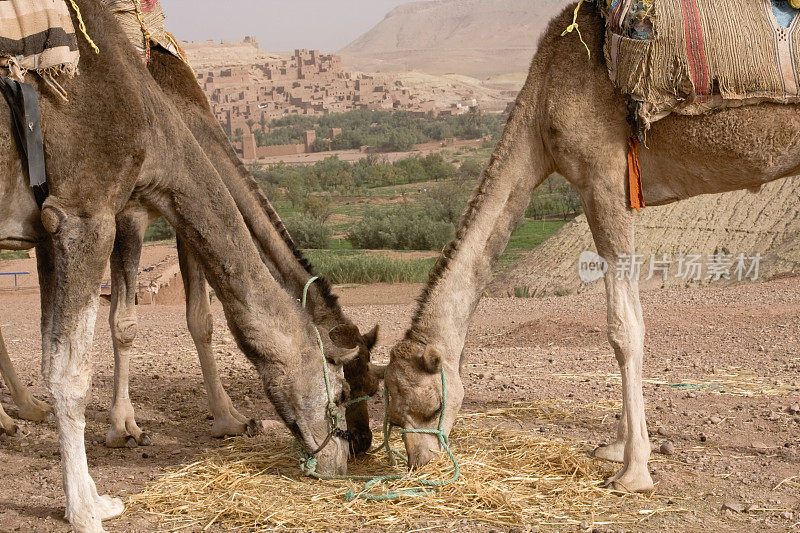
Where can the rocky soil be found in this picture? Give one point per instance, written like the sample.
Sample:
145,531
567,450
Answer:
722,392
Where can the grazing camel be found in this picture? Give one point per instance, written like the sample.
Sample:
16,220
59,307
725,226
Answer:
570,118
120,142
278,251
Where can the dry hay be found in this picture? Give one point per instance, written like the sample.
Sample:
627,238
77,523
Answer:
735,381
508,478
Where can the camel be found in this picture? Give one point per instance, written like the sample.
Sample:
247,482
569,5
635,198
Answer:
279,252
121,146
569,118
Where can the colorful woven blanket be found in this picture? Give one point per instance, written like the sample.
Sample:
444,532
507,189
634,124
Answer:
38,35
695,56
143,21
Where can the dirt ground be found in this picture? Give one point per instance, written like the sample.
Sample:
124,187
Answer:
735,429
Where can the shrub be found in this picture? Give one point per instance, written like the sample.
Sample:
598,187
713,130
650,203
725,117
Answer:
446,200
317,207
308,232
160,230
400,229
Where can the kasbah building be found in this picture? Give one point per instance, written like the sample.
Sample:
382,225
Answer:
248,98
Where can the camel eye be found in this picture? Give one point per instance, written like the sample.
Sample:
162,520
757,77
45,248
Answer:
435,413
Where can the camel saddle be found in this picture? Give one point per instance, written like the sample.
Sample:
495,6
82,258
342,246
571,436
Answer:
38,35
696,56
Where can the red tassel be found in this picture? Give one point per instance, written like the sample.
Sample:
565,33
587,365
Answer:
635,175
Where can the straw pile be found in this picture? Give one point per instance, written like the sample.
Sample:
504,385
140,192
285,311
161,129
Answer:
735,381
509,478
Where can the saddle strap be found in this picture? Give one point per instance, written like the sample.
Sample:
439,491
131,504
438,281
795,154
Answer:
23,100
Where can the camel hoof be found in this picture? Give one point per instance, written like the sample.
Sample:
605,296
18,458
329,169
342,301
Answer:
144,440
130,442
10,430
108,507
230,427
629,484
36,412
252,428
613,453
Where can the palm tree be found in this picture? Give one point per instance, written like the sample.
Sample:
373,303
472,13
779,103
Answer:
250,123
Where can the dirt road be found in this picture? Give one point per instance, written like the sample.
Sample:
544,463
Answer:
723,379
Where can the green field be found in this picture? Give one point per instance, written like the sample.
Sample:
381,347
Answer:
13,255
357,218
342,264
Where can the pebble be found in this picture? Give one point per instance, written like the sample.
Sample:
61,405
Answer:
668,448
786,515
795,409
715,420
663,432
732,506
703,437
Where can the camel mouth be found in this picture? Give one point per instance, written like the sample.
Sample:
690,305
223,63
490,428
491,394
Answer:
421,450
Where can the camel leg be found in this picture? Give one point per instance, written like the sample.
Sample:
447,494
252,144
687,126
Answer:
7,425
124,431
612,225
227,420
73,269
29,407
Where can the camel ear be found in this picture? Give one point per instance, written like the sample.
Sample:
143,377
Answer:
344,336
371,338
343,357
431,360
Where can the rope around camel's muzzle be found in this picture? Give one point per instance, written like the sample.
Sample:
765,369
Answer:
308,461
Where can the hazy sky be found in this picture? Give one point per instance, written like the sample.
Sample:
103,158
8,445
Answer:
279,24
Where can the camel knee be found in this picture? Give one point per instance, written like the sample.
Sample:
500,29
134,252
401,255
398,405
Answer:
201,325
624,342
125,329
69,390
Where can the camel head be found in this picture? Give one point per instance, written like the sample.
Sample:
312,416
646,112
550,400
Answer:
363,380
414,383
297,388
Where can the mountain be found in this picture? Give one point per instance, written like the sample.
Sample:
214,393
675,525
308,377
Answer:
478,38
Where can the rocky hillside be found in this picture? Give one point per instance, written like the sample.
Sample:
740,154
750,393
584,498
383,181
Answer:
478,38
737,223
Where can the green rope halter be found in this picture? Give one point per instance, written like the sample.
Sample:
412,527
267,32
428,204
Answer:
308,464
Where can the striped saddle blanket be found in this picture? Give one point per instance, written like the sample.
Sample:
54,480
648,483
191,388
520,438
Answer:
39,35
695,56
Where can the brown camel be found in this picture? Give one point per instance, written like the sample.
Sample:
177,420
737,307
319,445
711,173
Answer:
570,118
120,142
279,252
